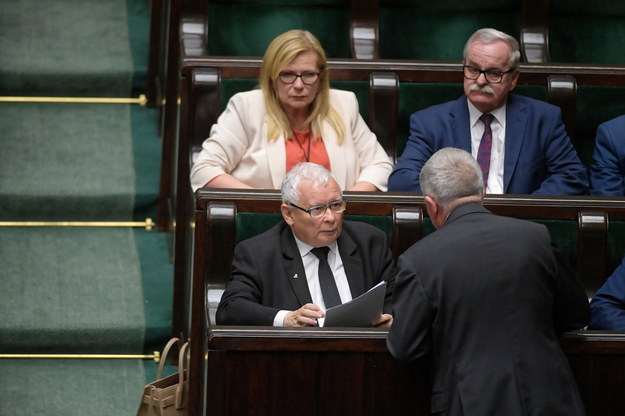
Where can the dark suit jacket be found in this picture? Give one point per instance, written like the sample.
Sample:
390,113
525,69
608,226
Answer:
268,273
539,157
608,305
607,172
486,297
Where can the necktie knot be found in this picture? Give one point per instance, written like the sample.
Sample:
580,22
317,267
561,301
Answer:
321,252
487,119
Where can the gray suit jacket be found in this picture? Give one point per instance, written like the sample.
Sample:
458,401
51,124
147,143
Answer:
486,296
268,273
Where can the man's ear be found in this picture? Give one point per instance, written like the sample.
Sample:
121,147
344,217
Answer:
434,211
515,79
286,214
431,206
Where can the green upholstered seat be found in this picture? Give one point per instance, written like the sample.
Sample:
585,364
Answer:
438,30
587,31
245,28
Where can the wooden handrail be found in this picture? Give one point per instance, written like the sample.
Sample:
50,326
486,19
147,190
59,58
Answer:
417,70
520,206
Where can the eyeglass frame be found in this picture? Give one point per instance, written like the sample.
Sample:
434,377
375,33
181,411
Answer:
485,72
324,206
300,76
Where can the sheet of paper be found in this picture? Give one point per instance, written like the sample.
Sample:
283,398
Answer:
357,312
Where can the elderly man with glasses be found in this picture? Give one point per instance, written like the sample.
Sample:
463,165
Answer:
313,260
520,143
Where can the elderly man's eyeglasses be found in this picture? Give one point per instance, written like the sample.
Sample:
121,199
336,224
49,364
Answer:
308,78
320,210
492,76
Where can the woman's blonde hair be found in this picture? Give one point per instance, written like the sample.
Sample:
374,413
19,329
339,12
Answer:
280,52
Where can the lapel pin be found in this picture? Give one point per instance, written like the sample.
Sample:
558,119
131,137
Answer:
295,276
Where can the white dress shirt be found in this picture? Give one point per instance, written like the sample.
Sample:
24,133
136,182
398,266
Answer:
498,128
311,268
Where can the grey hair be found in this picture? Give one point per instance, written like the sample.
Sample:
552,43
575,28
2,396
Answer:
309,171
490,35
450,174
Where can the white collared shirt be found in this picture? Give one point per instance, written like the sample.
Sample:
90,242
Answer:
311,268
498,128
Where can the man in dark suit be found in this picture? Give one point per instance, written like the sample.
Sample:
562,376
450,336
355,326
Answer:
607,171
277,279
486,296
521,143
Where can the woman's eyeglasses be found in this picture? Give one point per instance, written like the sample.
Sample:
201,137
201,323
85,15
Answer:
307,78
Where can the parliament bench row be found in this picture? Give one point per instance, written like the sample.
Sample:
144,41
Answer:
204,92
191,27
548,30
388,92
593,241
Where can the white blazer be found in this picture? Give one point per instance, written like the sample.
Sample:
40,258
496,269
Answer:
238,146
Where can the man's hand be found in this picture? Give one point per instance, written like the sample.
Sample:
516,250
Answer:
306,315
383,321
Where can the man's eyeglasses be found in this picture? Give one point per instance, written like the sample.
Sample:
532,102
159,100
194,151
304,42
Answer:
308,78
320,210
491,75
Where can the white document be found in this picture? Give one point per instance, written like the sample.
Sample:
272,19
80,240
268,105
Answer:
357,312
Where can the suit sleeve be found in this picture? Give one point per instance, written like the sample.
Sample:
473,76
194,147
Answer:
565,174
375,165
241,303
387,273
606,176
223,150
608,304
419,148
410,335
571,309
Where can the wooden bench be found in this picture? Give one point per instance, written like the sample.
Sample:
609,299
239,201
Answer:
318,371
180,30
595,221
188,39
202,101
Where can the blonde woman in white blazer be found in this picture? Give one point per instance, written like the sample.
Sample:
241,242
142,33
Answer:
294,117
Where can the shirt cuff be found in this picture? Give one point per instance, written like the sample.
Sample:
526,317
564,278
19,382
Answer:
278,320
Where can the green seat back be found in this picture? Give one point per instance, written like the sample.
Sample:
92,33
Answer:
438,30
246,27
587,31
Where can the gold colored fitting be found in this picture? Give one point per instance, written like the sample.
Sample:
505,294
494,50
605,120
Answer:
148,224
156,356
141,100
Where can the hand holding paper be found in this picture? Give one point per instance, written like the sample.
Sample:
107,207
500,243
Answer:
359,312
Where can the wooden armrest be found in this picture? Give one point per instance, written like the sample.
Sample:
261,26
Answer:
534,37
592,249
384,99
363,31
562,91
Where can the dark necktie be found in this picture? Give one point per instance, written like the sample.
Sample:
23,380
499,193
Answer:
326,278
483,152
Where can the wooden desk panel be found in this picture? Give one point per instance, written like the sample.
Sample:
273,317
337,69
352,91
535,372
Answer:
317,371
309,371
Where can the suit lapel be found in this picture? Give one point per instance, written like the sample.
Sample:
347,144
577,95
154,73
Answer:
516,122
338,164
294,266
276,151
459,123
354,269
